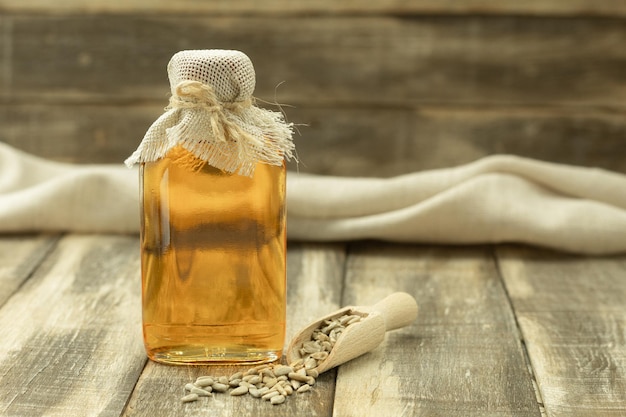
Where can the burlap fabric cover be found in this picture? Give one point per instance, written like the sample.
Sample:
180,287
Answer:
212,115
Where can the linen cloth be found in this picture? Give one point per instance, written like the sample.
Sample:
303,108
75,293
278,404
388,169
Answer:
496,199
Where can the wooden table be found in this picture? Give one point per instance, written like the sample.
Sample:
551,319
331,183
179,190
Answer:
502,331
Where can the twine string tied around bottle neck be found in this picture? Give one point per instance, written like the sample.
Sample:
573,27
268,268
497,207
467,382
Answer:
194,94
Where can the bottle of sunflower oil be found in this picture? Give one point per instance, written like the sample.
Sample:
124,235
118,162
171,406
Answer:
213,243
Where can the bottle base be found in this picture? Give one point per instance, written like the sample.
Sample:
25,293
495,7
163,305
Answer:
202,355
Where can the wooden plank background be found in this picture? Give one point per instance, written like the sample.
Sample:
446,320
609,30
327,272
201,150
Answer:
463,355
572,317
543,7
19,257
502,330
384,87
71,340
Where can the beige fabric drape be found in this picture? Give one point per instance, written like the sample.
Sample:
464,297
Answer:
495,199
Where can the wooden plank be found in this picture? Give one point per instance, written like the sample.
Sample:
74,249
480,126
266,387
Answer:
495,7
314,280
335,141
386,61
79,133
462,356
6,45
367,142
345,141
453,136
71,342
20,255
352,141
571,313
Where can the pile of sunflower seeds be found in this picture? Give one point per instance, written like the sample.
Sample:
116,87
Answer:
275,382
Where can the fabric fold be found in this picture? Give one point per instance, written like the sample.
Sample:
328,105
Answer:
495,199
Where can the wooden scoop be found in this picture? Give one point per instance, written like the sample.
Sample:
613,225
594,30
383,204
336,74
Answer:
395,311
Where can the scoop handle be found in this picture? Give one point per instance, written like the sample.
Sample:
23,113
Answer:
398,309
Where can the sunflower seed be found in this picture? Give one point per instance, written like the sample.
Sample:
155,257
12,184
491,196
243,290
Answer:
320,356
254,392
189,398
269,395
330,327
280,389
303,388
269,382
255,380
312,373
204,381
241,390
297,377
278,399
298,363
282,370
219,387
310,363
236,375
311,346
322,337
201,392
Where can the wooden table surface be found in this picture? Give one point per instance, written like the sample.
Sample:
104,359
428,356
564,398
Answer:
502,331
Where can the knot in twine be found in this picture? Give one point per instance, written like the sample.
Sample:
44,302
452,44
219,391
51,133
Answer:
194,94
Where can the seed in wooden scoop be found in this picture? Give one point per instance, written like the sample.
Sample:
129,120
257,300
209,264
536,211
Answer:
324,338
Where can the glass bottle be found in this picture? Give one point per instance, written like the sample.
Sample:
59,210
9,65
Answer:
213,242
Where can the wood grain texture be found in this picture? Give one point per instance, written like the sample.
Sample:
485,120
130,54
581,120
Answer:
385,61
314,280
452,136
495,7
77,133
71,343
382,95
20,255
6,46
461,357
345,141
572,316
